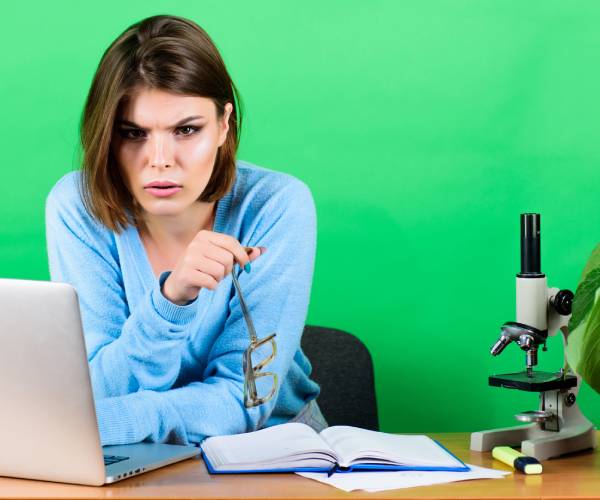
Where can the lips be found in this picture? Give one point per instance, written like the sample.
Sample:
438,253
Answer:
162,188
161,184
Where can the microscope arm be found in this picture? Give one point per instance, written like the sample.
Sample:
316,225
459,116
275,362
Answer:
560,322
556,320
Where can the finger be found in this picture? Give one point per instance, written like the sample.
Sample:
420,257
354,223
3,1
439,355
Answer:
253,253
199,279
220,255
262,249
211,267
232,245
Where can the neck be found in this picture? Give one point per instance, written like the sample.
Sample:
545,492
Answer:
178,229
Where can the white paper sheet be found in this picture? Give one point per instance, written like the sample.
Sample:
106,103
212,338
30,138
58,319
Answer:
391,480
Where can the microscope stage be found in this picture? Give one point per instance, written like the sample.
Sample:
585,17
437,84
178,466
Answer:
539,382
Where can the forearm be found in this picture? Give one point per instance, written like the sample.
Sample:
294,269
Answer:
147,353
178,416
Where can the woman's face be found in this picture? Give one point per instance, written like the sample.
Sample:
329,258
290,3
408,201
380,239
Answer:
166,145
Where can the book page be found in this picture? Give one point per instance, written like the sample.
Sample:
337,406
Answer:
354,445
279,446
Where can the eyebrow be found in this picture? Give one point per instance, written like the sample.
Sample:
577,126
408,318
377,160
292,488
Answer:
178,124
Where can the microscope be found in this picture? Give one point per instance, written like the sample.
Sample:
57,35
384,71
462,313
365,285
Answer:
558,426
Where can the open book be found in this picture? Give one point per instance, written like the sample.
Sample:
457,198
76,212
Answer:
296,447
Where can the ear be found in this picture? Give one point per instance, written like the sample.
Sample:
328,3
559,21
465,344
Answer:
224,123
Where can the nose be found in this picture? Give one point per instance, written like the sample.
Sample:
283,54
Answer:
160,152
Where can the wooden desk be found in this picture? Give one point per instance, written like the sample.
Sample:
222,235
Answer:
574,477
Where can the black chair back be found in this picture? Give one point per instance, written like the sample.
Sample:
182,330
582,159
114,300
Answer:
342,366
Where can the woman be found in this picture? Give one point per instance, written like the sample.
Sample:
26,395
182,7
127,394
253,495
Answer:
150,231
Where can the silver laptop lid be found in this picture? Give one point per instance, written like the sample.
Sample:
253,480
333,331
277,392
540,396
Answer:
48,426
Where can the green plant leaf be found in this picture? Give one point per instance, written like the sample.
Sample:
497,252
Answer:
589,362
574,346
592,263
584,297
581,350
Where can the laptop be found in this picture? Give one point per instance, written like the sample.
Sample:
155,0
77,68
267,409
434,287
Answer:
48,427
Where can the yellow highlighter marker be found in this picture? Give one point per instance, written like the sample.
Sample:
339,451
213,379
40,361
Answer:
520,462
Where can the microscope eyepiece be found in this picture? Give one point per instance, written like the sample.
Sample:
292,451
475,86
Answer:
531,261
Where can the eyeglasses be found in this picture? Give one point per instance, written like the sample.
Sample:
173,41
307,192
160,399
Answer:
252,373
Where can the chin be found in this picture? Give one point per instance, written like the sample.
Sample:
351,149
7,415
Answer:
164,208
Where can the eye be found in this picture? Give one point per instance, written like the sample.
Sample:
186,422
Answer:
189,130
136,133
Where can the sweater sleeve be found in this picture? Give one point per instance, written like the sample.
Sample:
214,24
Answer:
82,253
277,292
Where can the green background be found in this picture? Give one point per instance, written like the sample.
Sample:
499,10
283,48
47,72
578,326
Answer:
423,129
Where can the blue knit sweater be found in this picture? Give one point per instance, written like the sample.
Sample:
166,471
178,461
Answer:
162,372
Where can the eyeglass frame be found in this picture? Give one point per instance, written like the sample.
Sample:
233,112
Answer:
251,373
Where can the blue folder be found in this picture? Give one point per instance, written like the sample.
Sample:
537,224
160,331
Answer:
337,468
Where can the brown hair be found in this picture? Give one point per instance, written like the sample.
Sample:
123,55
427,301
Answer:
160,52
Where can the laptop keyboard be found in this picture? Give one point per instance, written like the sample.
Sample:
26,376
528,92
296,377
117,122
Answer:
113,459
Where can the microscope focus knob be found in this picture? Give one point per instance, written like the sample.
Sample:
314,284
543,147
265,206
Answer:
563,302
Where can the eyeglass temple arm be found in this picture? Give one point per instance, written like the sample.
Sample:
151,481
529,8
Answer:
245,312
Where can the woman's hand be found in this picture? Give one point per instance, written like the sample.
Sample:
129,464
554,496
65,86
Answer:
206,261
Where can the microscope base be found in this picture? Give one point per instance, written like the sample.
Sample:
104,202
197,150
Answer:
576,433
536,442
